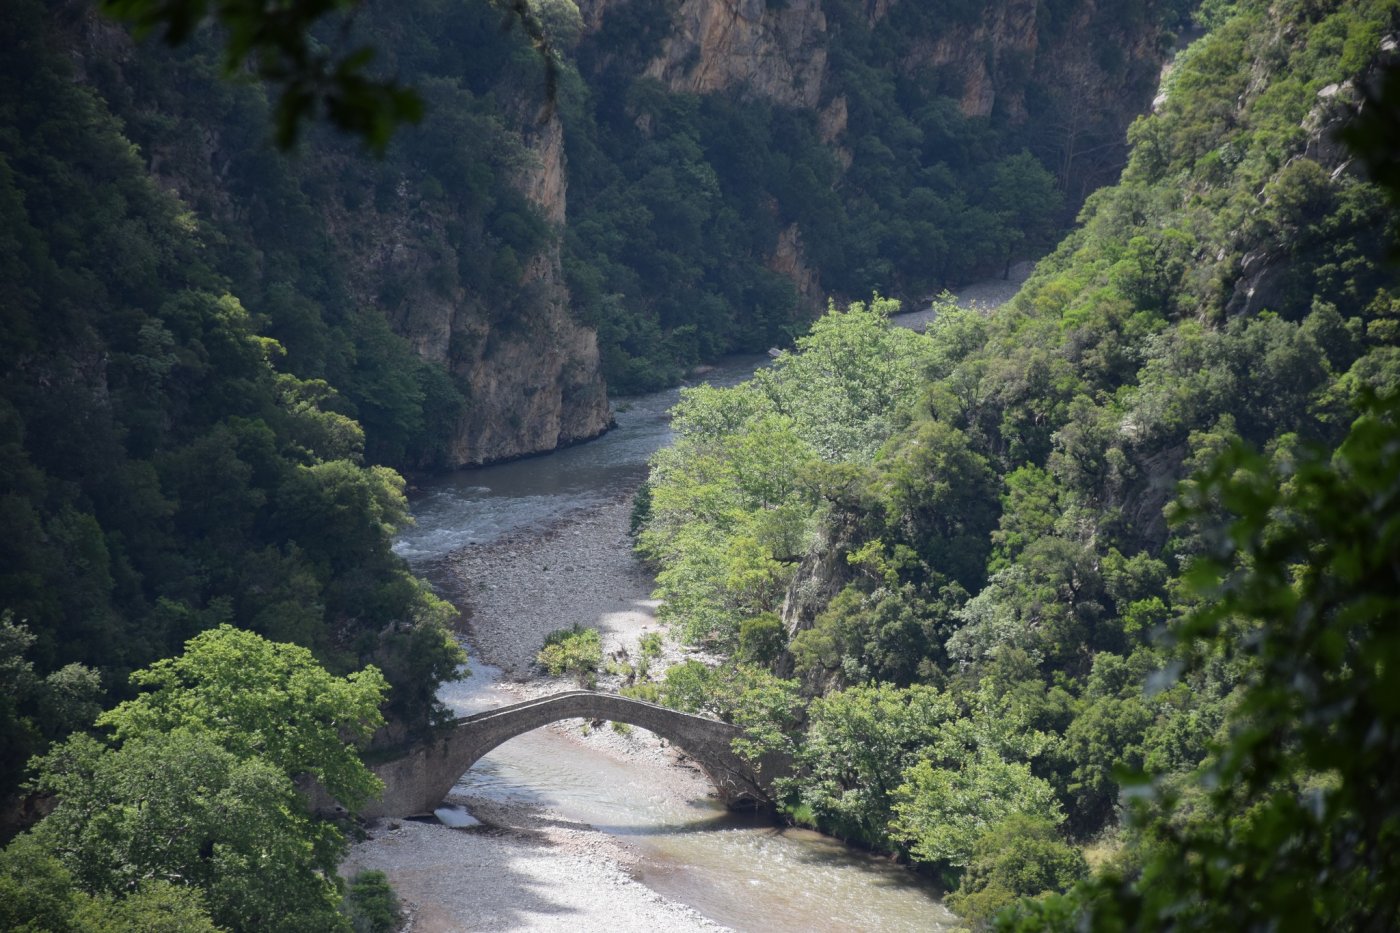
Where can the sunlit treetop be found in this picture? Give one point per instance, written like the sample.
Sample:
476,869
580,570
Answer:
265,699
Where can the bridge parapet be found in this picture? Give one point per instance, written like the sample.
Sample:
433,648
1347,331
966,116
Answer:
418,782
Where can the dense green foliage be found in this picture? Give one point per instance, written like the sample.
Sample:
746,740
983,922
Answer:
373,906
202,381
677,201
293,233
577,651
260,699
991,593
1021,856
1295,814
943,566
38,893
281,49
191,803
36,710
164,473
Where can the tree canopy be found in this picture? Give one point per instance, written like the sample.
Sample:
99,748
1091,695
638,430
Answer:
192,803
260,699
1132,530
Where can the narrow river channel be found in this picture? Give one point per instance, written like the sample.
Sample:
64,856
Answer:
737,870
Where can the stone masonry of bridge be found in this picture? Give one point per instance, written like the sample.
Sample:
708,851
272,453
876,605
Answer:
418,782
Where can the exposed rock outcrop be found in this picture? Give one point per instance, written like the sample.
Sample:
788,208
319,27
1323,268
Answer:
788,261
996,62
536,387
530,371
771,52
823,572
983,55
531,374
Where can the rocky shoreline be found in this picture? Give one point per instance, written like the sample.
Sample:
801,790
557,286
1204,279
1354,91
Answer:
520,871
578,571
526,867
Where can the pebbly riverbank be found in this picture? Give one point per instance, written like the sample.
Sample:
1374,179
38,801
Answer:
520,871
526,867
987,295
578,571
530,868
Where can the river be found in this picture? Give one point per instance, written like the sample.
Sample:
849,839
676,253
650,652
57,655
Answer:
736,870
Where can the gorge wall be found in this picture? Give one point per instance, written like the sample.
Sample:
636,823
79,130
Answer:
865,146
532,382
520,309
1098,63
453,239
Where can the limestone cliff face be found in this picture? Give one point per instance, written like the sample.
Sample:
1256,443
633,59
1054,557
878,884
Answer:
531,374
1079,74
536,388
753,47
823,573
788,261
779,52
746,45
981,55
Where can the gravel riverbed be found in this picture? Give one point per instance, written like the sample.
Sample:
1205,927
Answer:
986,294
525,867
580,571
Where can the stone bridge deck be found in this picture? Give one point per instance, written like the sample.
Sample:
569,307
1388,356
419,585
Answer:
418,782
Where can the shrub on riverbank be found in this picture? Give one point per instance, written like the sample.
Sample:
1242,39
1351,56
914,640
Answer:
373,906
576,650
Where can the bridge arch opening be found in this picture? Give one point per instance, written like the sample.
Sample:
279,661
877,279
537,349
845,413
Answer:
418,782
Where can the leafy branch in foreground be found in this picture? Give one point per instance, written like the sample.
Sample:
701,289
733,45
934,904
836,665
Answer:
278,43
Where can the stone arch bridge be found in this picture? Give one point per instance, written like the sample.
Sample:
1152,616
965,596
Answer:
418,782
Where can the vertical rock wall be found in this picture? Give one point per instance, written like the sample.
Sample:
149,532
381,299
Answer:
779,52
530,371
774,52
536,387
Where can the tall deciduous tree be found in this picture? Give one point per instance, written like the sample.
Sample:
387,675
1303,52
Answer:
196,787
261,699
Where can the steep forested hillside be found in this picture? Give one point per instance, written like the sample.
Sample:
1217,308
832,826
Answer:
733,165
975,580
423,285
164,470
968,547
214,352
707,172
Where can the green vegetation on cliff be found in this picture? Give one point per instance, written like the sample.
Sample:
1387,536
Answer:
973,579
678,201
990,576
212,352
346,261
164,470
